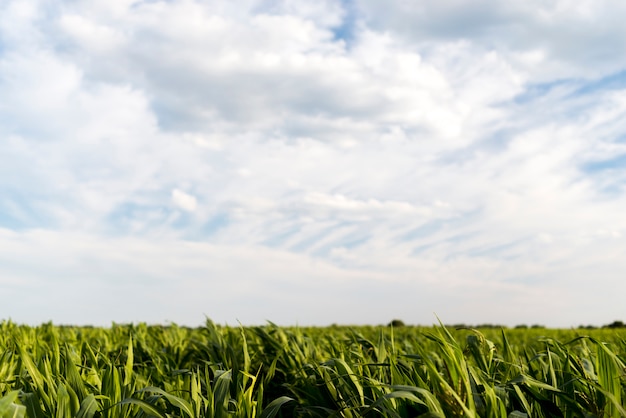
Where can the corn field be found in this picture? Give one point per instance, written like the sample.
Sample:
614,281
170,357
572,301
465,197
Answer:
270,371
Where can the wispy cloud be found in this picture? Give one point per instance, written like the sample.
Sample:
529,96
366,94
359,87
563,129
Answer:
312,162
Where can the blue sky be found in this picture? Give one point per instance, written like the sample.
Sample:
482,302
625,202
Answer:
312,162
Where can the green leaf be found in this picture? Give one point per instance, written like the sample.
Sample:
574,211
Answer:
272,409
128,367
88,407
174,400
149,409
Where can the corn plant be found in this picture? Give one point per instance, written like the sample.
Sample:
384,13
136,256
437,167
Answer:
129,370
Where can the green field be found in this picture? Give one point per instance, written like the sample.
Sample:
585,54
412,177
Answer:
266,371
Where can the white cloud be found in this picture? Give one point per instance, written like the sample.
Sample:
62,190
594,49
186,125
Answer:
341,202
92,36
575,39
469,161
184,200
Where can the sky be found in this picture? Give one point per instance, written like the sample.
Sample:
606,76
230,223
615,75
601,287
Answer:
313,163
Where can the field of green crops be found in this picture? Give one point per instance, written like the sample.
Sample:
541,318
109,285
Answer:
271,371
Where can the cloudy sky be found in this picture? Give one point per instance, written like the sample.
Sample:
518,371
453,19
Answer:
312,163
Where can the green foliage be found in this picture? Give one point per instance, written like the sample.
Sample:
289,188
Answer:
271,371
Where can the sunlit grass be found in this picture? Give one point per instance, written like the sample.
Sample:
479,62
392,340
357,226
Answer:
214,371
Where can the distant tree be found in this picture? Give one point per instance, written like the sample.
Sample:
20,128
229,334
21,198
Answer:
397,323
490,326
615,324
521,326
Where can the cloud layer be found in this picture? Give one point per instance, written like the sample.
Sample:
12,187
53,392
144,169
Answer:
314,164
